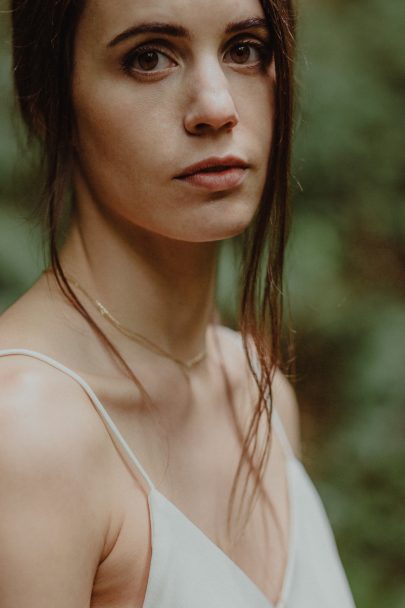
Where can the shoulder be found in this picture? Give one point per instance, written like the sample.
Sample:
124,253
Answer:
47,432
32,390
283,394
54,505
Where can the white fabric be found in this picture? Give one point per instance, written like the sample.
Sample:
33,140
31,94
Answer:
188,570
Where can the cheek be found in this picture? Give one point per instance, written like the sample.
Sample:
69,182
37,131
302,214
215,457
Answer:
129,140
256,107
114,128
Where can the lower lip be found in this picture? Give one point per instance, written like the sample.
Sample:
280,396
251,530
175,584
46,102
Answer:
216,181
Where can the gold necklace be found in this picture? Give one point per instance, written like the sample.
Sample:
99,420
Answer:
137,337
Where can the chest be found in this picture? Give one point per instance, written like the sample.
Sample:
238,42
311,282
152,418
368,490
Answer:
198,482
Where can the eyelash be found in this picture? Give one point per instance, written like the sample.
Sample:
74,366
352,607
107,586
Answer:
264,50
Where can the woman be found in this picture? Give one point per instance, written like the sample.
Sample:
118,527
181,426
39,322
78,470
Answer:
169,122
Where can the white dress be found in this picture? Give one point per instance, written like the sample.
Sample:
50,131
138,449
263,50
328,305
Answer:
188,570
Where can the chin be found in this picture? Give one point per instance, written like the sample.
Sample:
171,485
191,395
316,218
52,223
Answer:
227,232
231,221
219,229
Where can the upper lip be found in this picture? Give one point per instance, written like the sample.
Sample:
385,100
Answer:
214,162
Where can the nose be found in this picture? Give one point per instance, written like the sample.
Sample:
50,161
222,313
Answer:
211,107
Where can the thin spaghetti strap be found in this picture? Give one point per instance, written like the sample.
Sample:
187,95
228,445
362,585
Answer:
93,397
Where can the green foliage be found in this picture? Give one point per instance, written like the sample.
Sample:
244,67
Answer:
346,281
345,273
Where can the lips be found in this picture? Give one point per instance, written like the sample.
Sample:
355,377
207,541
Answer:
214,165
215,174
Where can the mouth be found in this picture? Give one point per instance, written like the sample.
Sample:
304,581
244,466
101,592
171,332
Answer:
213,169
215,174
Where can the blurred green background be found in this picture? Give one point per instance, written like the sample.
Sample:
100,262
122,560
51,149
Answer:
345,272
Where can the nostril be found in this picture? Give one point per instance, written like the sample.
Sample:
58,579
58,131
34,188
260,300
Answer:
211,112
231,124
202,127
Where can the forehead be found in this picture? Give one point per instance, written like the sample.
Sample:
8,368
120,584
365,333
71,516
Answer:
105,18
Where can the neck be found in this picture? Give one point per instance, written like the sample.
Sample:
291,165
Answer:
159,287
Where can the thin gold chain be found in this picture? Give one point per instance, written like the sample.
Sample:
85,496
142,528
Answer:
137,337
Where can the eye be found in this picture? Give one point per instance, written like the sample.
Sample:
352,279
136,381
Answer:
248,53
147,60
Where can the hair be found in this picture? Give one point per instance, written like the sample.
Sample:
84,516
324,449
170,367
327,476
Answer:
43,40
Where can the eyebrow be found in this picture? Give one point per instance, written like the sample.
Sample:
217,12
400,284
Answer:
178,31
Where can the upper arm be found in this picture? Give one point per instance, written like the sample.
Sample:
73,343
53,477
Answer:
51,532
286,404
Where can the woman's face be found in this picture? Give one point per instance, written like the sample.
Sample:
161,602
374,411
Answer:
160,85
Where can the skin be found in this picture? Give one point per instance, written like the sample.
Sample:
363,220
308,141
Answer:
140,236
163,234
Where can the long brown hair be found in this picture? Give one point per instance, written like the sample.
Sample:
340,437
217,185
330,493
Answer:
43,38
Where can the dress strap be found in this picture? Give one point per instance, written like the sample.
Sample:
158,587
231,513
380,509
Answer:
110,425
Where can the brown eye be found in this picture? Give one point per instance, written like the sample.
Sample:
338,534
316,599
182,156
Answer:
240,53
247,54
148,60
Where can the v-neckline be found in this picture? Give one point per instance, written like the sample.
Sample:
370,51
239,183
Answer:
289,462
281,602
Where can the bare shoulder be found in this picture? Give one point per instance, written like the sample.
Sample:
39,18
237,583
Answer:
46,425
44,403
53,524
47,436
283,394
